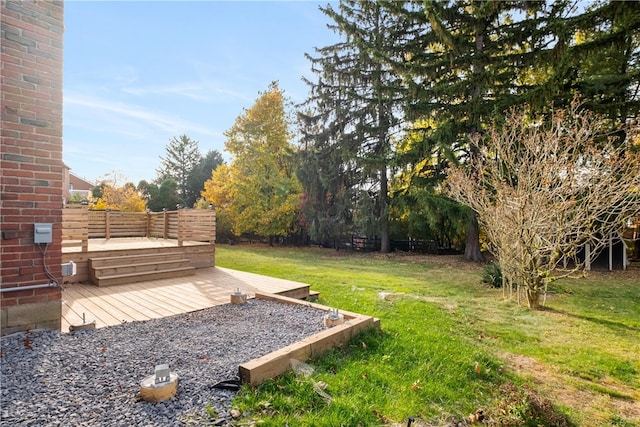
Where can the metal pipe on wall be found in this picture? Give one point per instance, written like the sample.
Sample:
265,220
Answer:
26,288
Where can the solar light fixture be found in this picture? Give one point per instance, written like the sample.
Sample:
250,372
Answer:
160,386
238,297
163,374
333,318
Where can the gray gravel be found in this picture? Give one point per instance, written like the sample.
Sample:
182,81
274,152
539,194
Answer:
92,378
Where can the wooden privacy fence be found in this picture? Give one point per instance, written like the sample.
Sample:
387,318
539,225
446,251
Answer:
75,231
79,225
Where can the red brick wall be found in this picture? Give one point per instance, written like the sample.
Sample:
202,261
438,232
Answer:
31,168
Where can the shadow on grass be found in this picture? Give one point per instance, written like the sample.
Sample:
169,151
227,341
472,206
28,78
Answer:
603,322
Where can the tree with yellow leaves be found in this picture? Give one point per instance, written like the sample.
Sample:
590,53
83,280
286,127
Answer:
124,199
218,191
259,191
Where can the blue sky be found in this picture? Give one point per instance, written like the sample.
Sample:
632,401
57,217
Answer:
137,74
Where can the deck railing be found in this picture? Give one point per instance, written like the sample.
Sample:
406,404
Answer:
79,225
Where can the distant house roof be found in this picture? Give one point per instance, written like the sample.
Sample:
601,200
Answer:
79,184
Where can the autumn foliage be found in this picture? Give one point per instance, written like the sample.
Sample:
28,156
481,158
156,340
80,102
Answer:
258,192
124,199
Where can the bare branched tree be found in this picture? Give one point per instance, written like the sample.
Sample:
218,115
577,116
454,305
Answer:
542,190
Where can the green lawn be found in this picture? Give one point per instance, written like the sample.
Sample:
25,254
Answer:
450,346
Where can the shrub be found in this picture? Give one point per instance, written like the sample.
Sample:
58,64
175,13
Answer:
492,275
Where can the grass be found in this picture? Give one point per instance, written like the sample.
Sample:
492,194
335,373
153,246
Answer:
450,345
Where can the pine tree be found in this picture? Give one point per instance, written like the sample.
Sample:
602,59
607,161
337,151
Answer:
354,110
465,63
160,197
182,158
200,174
604,60
328,184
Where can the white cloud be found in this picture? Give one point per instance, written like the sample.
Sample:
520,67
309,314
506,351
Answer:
135,115
204,90
189,90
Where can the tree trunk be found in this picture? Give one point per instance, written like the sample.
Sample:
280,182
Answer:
385,241
535,291
533,298
472,245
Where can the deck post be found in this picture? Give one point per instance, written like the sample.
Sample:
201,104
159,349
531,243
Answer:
107,224
165,219
181,222
84,221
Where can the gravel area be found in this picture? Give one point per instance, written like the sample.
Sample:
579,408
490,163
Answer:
92,378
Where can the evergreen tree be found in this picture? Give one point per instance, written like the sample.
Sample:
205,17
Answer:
421,210
329,183
603,62
354,110
163,197
465,62
201,173
182,158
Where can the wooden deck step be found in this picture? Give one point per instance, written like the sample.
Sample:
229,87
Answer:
313,296
134,259
144,267
133,268
298,293
121,279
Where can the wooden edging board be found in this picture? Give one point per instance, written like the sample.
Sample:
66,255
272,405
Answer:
278,362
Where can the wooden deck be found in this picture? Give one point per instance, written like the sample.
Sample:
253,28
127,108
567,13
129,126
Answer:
166,297
126,243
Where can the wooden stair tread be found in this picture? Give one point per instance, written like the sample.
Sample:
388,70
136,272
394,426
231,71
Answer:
313,295
133,255
301,292
140,264
134,274
124,279
120,258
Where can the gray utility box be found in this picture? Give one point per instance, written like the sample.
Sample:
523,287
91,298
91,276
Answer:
42,232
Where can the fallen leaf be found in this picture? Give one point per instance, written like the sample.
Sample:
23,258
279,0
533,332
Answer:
416,385
27,343
364,345
365,375
476,417
478,368
382,418
103,349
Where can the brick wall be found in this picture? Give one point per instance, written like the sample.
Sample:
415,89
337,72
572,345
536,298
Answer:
31,168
